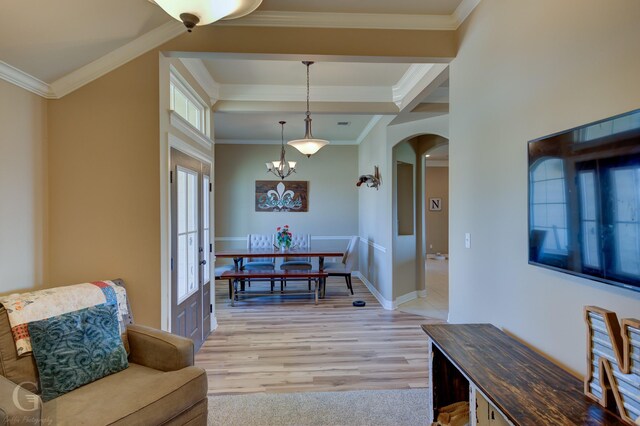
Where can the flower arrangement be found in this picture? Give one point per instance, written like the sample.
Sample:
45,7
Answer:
283,237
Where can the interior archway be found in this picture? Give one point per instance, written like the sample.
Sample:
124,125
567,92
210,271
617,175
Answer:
417,243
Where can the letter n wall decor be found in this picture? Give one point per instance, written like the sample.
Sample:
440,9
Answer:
613,362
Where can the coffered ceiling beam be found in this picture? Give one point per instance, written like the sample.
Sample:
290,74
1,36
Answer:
378,108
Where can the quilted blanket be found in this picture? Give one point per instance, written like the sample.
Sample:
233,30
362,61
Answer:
37,305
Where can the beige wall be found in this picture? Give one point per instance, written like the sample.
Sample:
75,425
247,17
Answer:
104,184
23,189
525,70
333,195
437,222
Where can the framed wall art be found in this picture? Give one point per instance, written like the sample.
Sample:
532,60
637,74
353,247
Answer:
279,196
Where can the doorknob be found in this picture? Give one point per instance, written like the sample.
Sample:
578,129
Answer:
203,262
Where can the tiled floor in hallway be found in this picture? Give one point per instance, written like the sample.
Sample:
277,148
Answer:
436,304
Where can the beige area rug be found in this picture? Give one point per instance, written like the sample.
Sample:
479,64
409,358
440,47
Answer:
405,407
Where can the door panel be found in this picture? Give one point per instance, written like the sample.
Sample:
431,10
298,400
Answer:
190,230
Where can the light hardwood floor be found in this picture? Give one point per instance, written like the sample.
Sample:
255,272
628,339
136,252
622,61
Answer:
288,344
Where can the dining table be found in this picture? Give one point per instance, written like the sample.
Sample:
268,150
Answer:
238,256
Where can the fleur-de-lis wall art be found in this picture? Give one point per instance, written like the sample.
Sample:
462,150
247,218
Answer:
277,196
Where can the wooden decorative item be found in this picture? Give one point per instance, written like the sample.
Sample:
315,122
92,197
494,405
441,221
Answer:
613,375
278,196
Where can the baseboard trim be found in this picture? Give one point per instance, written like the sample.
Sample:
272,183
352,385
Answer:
214,323
405,298
386,304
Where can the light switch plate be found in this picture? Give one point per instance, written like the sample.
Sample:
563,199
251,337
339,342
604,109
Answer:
467,240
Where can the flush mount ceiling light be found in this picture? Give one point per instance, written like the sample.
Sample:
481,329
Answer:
308,145
204,12
281,168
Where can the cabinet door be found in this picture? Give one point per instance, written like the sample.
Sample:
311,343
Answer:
482,411
486,414
496,418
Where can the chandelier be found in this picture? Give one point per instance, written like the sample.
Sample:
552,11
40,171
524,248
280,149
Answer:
205,12
281,168
308,145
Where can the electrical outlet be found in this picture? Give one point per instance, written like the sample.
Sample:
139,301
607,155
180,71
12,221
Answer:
467,240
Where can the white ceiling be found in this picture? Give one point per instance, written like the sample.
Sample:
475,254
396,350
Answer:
264,127
233,71
409,7
49,39
251,95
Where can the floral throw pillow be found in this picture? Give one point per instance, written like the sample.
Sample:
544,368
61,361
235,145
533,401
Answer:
77,348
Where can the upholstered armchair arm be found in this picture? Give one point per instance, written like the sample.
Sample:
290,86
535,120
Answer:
158,349
18,406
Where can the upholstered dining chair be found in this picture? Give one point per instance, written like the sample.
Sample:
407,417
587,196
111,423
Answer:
343,268
258,241
303,242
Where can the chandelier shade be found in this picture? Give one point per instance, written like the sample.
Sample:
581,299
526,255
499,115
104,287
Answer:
308,145
204,12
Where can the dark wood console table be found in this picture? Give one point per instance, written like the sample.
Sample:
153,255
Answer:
480,362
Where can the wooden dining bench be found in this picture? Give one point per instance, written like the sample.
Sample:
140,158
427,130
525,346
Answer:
235,277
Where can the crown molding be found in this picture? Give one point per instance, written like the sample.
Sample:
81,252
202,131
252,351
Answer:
380,21
26,81
285,93
201,74
116,58
409,80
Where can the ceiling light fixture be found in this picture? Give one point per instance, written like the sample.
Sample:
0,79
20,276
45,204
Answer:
281,168
205,12
308,145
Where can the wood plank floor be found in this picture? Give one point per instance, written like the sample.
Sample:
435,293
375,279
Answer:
288,344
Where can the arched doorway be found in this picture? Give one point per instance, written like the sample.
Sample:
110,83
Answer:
421,221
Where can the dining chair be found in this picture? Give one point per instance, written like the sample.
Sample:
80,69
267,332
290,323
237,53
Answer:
303,242
258,241
343,268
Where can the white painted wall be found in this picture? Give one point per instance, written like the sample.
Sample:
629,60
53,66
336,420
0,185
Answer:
23,189
525,70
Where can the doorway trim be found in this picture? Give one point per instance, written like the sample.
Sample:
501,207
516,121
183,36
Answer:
173,141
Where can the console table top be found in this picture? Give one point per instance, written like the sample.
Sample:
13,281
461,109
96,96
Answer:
526,387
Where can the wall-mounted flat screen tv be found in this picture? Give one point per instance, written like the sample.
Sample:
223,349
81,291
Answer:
584,201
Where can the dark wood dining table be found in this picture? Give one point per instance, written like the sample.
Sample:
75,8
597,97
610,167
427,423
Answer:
238,256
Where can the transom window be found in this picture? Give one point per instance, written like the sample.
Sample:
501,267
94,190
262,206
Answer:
185,103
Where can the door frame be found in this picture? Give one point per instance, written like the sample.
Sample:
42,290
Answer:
178,143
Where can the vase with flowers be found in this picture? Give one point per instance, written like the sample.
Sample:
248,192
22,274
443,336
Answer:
283,237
